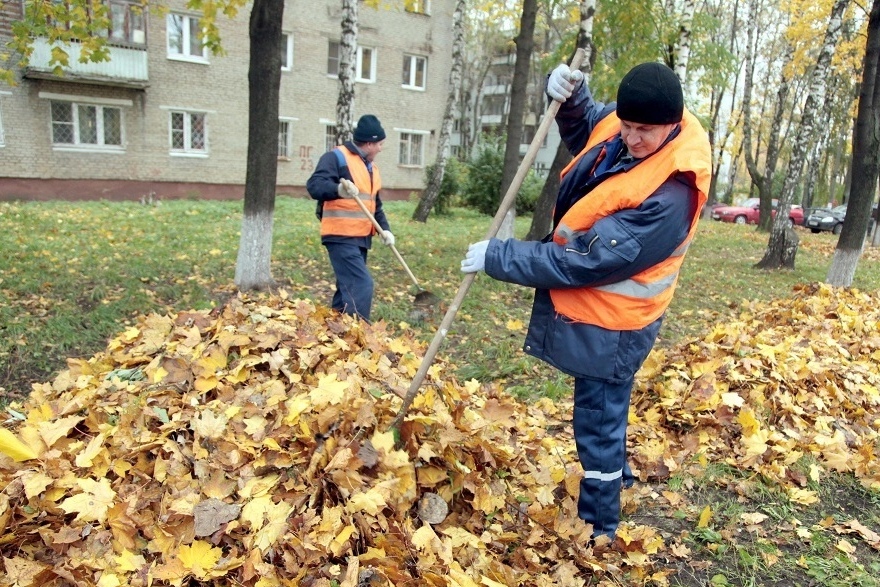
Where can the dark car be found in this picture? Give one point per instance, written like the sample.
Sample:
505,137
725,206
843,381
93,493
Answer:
823,219
748,213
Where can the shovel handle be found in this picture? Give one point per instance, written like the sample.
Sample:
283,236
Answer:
506,203
379,228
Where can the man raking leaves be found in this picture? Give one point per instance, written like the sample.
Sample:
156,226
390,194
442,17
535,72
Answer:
627,208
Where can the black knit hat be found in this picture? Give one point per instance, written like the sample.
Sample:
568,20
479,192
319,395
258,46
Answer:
368,130
650,94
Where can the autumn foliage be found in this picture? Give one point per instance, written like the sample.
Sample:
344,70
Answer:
250,446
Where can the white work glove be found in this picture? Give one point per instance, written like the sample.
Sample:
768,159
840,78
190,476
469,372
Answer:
475,258
346,188
562,82
387,237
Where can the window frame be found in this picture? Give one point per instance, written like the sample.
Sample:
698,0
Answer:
405,139
358,65
413,61
2,131
287,141
329,136
75,124
185,39
187,150
419,7
359,62
287,51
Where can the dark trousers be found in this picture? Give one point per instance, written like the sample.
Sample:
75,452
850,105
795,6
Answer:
601,411
354,284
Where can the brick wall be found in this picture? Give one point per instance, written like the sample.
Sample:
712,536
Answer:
219,89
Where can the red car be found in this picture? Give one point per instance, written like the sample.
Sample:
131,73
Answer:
748,213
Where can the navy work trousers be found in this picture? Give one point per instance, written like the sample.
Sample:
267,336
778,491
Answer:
601,412
354,284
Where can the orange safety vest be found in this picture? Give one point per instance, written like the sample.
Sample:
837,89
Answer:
636,302
343,216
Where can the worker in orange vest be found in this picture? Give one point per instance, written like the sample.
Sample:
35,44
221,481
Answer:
627,208
346,232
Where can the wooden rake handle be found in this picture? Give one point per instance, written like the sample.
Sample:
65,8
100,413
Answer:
393,248
506,203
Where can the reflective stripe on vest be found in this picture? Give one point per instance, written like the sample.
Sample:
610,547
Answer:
343,217
633,303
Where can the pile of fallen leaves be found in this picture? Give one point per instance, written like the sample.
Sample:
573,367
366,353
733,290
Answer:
251,446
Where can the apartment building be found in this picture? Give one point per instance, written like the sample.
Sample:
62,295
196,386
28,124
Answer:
164,116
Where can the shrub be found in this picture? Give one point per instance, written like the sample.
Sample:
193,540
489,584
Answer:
483,186
453,179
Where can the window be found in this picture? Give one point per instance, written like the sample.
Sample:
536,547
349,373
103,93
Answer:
286,52
414,68
411,148
185,39
333,58
127,23
2,136
189,133
329,137
284,139
494,105
419,6
365,70
365,64
86,124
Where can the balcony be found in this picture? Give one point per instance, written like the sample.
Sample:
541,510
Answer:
126,68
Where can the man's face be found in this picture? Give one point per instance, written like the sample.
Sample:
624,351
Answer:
373,149
643,139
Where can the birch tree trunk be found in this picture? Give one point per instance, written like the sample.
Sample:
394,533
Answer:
865,163
432,192
782,247
253,266
525,43
347,62
683,50
542,218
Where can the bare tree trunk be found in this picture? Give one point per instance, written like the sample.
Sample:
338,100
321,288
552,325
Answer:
779,251
253,266
865,163
542,218
525,43
763,182
347,62
432,192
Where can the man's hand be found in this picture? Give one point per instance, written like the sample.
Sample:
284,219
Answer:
346,188
475,258
562,82
387,237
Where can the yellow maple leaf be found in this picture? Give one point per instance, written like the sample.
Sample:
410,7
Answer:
52,431
371,502
85,457
802,496
514,324
209,425
329,391
94,501
200,558
35,482
12,447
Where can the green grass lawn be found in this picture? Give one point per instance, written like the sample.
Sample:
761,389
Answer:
73,274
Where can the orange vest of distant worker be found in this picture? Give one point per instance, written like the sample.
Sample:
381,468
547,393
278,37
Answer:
343,216
636,302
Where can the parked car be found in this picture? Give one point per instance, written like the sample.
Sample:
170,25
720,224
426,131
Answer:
823,219
748,213
831,220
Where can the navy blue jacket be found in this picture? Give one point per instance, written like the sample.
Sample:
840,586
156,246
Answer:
644,236
322,186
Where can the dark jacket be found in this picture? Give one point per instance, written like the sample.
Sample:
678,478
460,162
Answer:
323,185
649,234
